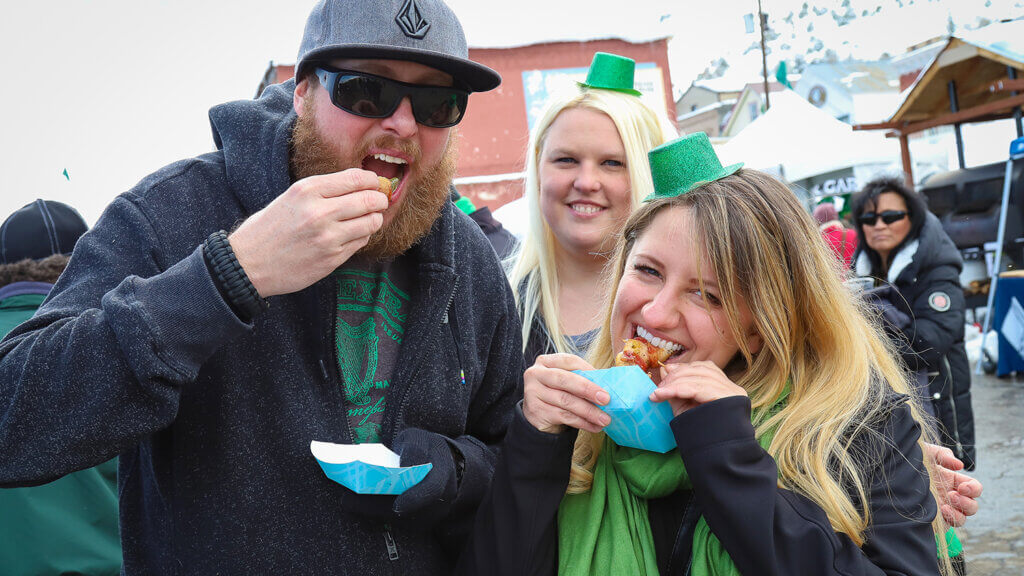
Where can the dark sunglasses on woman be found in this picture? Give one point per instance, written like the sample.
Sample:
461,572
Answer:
372,96
888,216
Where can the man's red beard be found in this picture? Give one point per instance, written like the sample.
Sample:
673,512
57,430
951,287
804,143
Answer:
426,189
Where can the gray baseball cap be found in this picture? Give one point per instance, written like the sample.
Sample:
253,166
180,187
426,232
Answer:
423,31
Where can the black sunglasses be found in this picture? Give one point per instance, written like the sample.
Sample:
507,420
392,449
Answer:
372,96
888,216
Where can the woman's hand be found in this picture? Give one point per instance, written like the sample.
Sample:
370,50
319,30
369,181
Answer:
960,490
689,385
554,397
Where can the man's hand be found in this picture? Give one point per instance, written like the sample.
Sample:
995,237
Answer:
316,225
960,491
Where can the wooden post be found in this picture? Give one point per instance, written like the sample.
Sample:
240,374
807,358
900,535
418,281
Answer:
954,107
1011,73
908,168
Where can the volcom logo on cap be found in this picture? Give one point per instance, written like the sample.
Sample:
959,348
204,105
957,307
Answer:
411,21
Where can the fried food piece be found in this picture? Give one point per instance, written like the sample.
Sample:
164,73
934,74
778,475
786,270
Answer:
639,352
387,185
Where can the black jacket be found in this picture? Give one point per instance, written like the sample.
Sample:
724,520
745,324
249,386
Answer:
538,342
926,273
503,241
136,352
765,529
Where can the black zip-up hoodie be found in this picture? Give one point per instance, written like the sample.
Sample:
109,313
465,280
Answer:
136,353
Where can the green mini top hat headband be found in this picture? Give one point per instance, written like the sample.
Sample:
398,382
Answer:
611,72
683,164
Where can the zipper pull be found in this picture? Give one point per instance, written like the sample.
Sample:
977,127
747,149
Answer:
323,370
390,542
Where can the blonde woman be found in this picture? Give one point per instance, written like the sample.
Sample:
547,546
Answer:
586,169
799,450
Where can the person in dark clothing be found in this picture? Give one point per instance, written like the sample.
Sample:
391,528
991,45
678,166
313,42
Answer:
503,241
841,239
799,449
902,244
68,526
886,300
211,360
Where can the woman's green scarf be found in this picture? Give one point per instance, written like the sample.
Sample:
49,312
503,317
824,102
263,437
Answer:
606,531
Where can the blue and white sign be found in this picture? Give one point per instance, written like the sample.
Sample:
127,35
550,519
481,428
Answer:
539,85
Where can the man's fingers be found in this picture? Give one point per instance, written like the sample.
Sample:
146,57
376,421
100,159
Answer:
946,479
966,506
342,183
342,208
969,487
359,228
944,457
952,517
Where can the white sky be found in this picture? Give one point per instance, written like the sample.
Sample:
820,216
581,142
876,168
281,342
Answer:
111,90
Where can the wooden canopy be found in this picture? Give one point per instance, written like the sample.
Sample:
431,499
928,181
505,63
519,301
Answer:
974,78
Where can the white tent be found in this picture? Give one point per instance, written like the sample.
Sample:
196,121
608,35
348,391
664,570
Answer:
804,141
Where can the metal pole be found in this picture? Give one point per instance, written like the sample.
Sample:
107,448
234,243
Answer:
1011,72
762,18
1015,154
954,106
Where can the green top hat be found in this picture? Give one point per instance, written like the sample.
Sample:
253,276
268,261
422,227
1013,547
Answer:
683,164
611,72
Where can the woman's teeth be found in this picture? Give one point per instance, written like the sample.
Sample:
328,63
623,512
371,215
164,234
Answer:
585,208
659,342
389,159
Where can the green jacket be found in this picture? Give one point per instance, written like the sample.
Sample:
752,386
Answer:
68,526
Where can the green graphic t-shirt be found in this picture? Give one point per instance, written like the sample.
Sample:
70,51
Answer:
373,304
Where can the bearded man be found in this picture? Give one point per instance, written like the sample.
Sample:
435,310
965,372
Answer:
233,307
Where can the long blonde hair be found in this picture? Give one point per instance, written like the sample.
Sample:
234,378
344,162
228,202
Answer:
763,247
641,129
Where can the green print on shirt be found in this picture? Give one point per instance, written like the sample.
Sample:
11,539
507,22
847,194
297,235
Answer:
356,344
365,361
374,293
366,430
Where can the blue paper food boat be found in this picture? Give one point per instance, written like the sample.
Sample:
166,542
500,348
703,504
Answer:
366,468
636,421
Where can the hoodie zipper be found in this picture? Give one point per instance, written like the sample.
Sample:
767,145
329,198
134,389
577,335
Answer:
453,325
389,541
952,406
